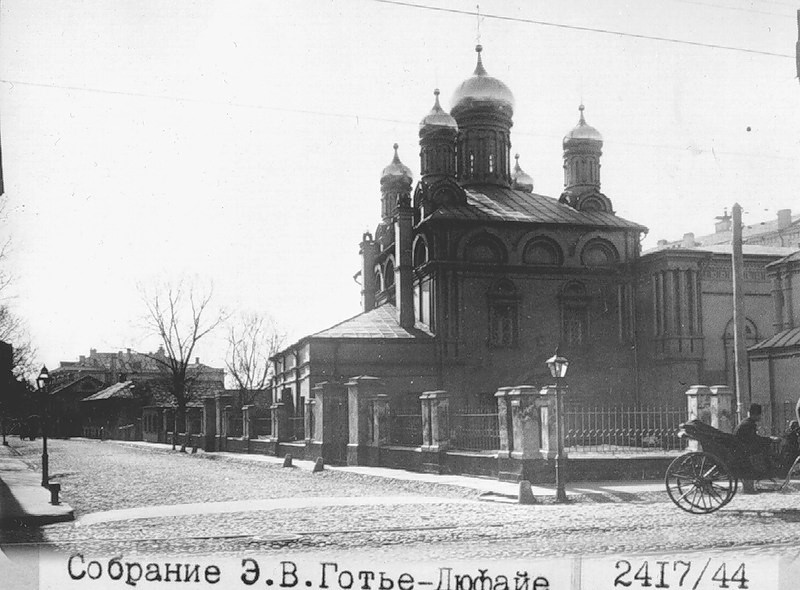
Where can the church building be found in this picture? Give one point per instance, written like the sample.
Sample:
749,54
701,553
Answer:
472,279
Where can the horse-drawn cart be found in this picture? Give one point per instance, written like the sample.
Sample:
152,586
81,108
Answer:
704,481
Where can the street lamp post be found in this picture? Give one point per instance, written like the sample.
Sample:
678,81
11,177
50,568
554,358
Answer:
558,369
41,382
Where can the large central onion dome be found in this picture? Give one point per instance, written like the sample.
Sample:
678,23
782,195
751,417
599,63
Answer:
482,88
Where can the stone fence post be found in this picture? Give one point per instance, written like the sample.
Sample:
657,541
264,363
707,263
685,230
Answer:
722,407
435,407
281,427
330,428
209,424
546,406
710,405
361,392
308,420
248,422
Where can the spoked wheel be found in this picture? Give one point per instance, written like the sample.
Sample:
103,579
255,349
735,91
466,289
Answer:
699,483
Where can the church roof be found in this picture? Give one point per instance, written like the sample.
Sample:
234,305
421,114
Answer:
497,203
785,339
380,322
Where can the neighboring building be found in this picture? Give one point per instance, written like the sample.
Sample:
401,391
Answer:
99,377
685,301
783,232
775,361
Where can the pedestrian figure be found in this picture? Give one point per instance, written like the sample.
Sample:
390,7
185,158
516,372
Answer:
755,447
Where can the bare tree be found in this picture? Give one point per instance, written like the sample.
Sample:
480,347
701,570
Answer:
181,316
251,342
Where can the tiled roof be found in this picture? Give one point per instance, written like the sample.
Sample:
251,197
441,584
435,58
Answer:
504,204
380,322
785,339
122,390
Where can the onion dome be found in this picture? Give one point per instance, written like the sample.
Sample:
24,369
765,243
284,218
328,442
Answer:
520,179
396,171
482,88
438,117
583,131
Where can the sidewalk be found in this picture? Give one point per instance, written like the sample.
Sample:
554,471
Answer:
23,500
488,488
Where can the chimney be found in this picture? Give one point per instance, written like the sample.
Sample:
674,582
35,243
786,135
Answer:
784,218
688,240
662,243
403,284
723,223
82,359
92,351
129,352
197,360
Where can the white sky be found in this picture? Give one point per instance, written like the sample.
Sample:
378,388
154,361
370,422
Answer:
243,142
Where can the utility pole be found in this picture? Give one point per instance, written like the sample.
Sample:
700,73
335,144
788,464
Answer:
797,46
739,341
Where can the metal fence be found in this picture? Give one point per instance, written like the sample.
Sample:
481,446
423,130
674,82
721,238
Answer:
405,426
298,427
475,427
622,429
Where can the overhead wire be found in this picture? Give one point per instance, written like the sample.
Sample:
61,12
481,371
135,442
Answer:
359,117
582,28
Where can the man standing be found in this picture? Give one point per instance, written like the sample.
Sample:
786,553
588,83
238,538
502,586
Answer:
755,446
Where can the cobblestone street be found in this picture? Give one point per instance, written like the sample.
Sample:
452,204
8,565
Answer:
384,517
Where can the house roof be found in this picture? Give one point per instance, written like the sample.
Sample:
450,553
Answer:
747,249
123,390
64,386
793,257
489,202
380,322
785,339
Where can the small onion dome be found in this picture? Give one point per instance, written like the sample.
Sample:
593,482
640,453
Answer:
438,117
482,87
396,171
583,131
520,179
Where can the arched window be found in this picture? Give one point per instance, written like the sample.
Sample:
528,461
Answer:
388,275
503,299
491,163
542,251
599,252
420,253
471,164
485,249
378,280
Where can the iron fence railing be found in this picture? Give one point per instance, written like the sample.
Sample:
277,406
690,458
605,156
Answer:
235,428
263,427
298,427
405,427
475,428
621,429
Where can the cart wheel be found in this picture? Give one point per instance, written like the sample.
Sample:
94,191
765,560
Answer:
699,483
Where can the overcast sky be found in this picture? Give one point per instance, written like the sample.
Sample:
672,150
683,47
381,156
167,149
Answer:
242,142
